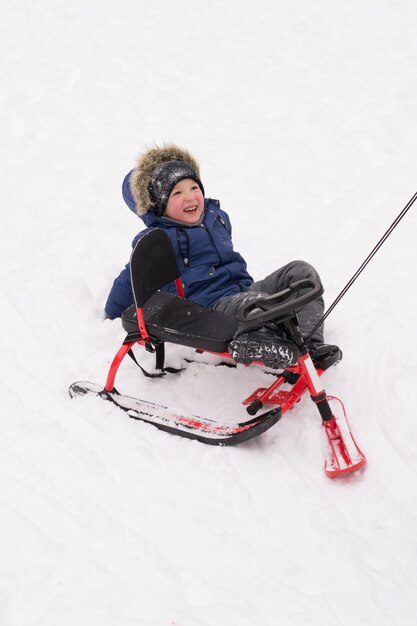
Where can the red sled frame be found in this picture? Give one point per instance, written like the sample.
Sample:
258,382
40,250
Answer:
342,454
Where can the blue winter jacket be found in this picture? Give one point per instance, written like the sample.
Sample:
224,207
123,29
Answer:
209,267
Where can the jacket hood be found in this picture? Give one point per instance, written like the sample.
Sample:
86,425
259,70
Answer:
141,176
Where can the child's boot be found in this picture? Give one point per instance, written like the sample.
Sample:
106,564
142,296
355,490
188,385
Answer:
266,346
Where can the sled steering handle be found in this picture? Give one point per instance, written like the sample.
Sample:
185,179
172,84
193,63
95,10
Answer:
279,306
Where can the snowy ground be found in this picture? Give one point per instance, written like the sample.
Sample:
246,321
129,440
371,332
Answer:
303,115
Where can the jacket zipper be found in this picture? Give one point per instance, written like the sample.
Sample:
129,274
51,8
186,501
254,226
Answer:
186,257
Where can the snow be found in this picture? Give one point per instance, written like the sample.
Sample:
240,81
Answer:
304,120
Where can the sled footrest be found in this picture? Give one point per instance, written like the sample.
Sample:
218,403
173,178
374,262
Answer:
274,395
285,399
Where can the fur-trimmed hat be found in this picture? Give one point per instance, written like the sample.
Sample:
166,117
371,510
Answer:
157,172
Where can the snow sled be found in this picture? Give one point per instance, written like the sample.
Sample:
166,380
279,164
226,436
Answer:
159,317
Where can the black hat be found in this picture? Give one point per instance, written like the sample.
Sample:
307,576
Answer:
164,179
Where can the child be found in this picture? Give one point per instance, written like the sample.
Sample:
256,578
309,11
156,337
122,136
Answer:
166,192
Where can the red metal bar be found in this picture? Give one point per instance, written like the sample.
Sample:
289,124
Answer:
180,288
121,353
310,375
142,325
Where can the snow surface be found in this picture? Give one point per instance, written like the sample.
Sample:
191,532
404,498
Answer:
303,115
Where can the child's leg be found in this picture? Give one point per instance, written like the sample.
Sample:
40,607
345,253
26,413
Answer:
231,305
311,313
277,281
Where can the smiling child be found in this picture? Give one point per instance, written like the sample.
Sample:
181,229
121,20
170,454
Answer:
165,191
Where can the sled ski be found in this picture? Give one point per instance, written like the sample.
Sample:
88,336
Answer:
342,454
159,316
205,430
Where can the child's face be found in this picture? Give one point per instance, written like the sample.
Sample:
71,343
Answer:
185,202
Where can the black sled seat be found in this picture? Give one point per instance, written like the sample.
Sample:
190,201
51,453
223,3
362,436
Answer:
172,319
168,317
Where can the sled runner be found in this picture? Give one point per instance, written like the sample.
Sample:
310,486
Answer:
160,317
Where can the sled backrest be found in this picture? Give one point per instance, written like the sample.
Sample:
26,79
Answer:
153,265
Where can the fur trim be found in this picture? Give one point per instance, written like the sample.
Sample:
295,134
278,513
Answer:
146,166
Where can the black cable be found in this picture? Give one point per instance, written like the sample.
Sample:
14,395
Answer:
364,264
